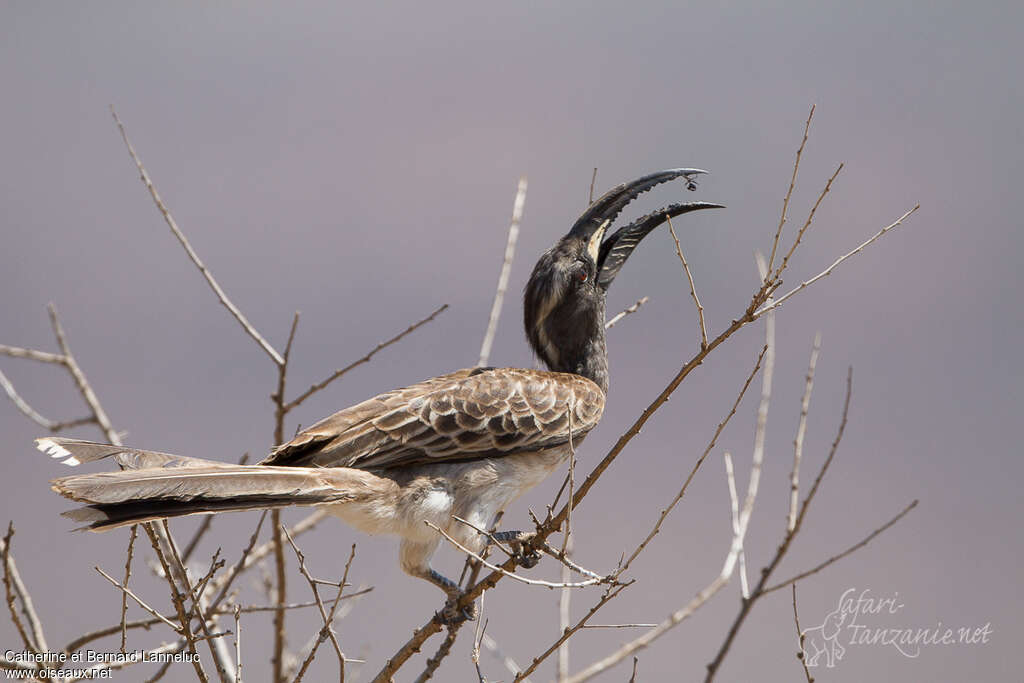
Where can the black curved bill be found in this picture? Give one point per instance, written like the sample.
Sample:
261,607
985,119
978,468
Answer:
603,211
621,243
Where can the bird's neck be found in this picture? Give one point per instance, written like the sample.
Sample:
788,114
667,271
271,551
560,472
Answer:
585,354
591,363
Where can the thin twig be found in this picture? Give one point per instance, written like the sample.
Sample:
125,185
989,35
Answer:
32,637
852,549
693,289
442,651
141,603
327,631
739,533
800,640
32,354
564,604
747,605
572,484
124,595
220,656
510,664
506,269
31,413
798,442
626,311
789,192
511,575
193,256
800,233
238,644
225,582
610,593
735,507
167,648
696,466
178,599
365,359
593,180
252,557
828,271
80,381
280,594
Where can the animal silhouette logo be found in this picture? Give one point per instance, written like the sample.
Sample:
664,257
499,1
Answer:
824,640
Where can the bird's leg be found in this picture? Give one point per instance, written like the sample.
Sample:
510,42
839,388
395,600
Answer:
521,542
450,614
415,560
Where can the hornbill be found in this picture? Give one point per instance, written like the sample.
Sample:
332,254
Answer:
464,444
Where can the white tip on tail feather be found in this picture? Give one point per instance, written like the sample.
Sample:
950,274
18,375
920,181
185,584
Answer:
55,450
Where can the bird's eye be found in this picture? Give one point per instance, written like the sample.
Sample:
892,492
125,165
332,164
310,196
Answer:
581,272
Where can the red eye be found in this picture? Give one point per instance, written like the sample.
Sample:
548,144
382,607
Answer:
582,276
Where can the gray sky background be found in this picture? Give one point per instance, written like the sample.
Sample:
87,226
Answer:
359,164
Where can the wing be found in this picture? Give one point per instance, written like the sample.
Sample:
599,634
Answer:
469,414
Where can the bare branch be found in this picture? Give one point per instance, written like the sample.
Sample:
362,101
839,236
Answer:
167,648
225,582
789,192
783,547
365,359
693,289
735,507
29,412
511,575
807,224
593,179
572,485
564,604
327,631
252,557
798,442
80,381
852,549
184,622
506,269
696,466
800,640
193,256
281,585
610,593
828,271
15,589
238,644
739,531
124,594
627,311
139,601
32,354
221,660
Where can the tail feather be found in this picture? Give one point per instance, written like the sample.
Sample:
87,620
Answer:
116,499
76,451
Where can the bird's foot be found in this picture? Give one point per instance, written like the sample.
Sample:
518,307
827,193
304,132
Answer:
521,543
450,614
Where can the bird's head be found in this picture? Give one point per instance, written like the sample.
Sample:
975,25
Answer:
564,300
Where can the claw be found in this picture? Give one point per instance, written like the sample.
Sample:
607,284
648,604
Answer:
450,615
524,554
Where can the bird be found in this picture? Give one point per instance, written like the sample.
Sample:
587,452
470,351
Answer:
464,444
